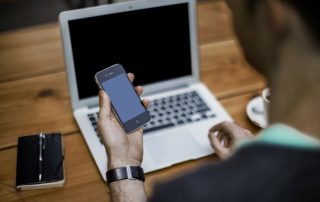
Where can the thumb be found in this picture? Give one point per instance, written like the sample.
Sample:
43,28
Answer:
105,105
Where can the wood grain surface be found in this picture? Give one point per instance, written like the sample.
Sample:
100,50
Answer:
30,52
34,97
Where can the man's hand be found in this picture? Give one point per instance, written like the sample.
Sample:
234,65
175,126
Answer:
122,149
224,135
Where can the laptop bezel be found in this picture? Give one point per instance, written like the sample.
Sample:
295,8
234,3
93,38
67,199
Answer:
66,16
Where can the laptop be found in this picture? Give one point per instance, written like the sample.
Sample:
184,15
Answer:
157,41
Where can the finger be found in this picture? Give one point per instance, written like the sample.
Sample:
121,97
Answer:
130,76
228,128
222,142
219,136
220,127
218,148
213,137
146,103
216,133
105,104
225,139
215,143
139,90
226,142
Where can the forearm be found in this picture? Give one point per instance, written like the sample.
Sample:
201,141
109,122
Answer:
128,190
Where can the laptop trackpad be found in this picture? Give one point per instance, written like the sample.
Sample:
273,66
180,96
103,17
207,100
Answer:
170,148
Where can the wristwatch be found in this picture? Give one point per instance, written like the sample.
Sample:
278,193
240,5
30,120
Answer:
123,173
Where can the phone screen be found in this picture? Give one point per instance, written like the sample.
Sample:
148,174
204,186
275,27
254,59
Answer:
124,99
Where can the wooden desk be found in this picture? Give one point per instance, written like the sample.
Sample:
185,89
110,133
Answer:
34,97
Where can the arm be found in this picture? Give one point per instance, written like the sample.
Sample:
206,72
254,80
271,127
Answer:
126,190
122,149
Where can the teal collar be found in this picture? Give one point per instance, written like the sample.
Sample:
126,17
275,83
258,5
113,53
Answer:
283,135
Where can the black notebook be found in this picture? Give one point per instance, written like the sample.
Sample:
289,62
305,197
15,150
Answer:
40,162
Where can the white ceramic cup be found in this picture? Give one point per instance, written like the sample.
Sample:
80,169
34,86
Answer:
266,103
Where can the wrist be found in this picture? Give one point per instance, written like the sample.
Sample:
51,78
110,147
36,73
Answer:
122,162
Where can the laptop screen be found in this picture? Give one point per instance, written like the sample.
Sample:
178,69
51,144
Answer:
152,43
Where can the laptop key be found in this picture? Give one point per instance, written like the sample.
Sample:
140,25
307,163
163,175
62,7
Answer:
189,120
203,110
99,137
212,115
180,122
158,127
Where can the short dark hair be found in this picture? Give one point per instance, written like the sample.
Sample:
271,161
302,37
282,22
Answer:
308,11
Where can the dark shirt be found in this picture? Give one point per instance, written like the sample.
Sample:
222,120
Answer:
257,172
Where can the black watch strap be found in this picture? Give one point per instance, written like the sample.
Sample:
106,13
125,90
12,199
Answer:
123,173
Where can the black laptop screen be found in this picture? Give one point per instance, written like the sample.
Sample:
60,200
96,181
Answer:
153,43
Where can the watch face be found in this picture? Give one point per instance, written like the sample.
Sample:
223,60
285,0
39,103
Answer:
123,173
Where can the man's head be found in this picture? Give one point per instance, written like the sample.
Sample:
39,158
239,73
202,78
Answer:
264,27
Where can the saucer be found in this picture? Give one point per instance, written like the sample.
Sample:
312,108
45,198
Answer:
255,112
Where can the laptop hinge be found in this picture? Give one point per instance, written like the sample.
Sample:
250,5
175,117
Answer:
165,89
92,106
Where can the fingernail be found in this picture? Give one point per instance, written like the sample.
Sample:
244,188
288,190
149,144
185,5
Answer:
222,142
216,133
103,94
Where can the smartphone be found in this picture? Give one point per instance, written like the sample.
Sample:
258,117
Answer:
125,102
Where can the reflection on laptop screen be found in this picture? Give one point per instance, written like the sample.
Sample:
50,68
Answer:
152,43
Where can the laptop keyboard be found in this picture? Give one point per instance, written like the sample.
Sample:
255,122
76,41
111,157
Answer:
177,110
171,111
93,117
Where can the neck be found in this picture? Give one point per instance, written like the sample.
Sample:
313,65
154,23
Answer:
295,88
